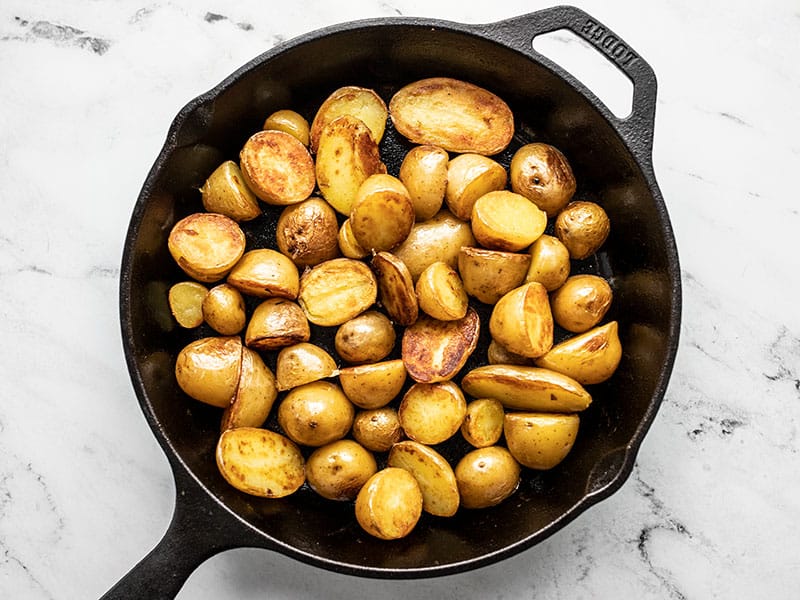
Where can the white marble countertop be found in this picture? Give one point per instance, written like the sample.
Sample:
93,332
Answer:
87,92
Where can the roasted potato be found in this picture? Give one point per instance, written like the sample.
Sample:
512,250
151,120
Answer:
338,471
486,477
582,227
367,338
373,385
441,294
208,369
470,176
549,264
348,244
254,395
276,323
315,414
541,173
424,173
522,322
581,303
382,214
206,245
588,358
389,505
503,220
540,440
223,309
453,114
497,354
433,473
226,193
397,294
337,290
265,273
186,303
488,275
377,429
308,232
431,413
303,363
277,167
483,422
290,122
435,350
359,102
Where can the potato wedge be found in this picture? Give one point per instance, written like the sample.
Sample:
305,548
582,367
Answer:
550,263
337,290
316,414
260,462
226,193
206,245
453,114
276,323
488,275
186,303
588,358
541,173
435,351
359,102
290,122
525,388
581,303
308,232
503,220
338,471
382,214
346,156
254,396
390,504
277,167
522,322
396,288
303,363
208,369
540,440
424,173
373,385
483,422
470,176
441,293
433,473
431,413
377,429
265,273
486,477
582,227
367,338
224,310
348,244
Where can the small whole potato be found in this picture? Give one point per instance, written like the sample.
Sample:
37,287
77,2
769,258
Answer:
541,173
441,293
470,176
338,471
550,264
540,440
367,338
316,414
308,232
487,476
390,504
265,273
503,220
223,309
431,413
377,429
382,214
581,303
290,122
206,245
582,227
424,173
483,422
208,369
277,167
276,323
337,290
226,193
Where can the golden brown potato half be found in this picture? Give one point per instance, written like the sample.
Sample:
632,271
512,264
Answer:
223,309
346,156
359,102
208,369
254,396
265,273
348,244
438,239
488,275
453,114
308,232
522,322
277,167
382,214
431,413
424,173
581,303
338,471
390,504
316,414
497,354
588,358
539,440
582,227
486,477
433,474
470,176
441,294
396,288
520,387
260,462
337,290
483,422
290,122
367,338
550,264
303,363
377,429
436,350
186,303
206,245
276,323
226,193
373,385
503,220
541,173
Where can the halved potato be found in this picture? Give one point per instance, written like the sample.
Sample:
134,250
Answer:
382,214
550,263
254,396
186,303
431,413
454,114
424,173
337,290
486,477
338,471
470,176
226,193
373,385
540,441
503,220
224,310
581,303
488,275
526,388
208,369
260,462
441,294
497,354
541,173
346,156
277,167
308,232
377,429
206,245
435,350
348,244
359,102
522,322
483,422
265,273
591,357
433,474
390,504
315,414
276,323
303,363
290,122
396,288
582,227
366,338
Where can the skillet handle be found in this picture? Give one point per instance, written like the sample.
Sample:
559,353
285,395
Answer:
637,128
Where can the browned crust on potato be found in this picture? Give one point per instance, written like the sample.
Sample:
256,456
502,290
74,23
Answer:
277,167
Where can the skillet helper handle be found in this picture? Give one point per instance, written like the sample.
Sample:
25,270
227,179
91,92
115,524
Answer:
637,128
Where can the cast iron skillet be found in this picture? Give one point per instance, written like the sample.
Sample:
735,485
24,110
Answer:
612,161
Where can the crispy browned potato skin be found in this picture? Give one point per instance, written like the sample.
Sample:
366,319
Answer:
308,232
542,173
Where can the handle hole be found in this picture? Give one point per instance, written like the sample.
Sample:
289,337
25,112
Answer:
588,65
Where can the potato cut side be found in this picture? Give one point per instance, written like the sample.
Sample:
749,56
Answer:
589,358
522,321
265,273
208,369
373,385
503,220
277,167
453,114
359,102
396,288
433,473
336,291
255,394
470,176
225,192
441,293
540,441
303,363
382,214
206,245
488,275
186,303
431,413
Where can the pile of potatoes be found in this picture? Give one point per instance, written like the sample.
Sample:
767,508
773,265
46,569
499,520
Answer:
393,260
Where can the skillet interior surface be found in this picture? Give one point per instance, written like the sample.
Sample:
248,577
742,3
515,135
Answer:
637,259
